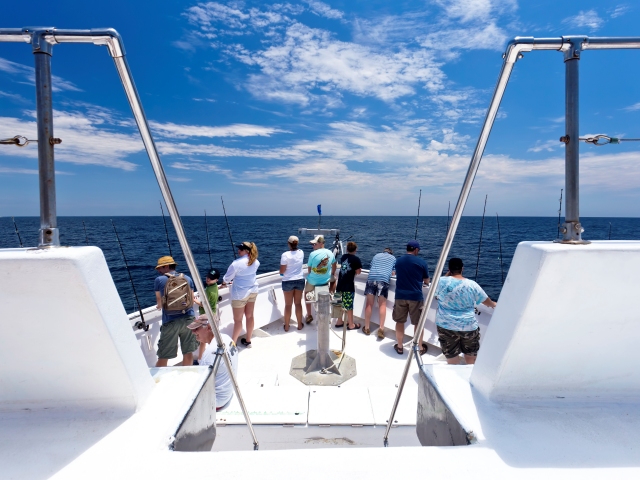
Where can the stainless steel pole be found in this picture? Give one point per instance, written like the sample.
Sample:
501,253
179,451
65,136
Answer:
136,106
49,234
572,229
513,53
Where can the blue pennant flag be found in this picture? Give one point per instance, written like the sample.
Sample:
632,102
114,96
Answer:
319,209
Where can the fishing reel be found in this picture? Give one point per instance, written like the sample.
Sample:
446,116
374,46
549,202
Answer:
141,325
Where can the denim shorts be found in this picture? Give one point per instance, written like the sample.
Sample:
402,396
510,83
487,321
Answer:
378,289
290,285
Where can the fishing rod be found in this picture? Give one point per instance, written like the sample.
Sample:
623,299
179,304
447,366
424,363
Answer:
480,242
415,237
500,243
206,227
609,230
166,231
559,213
86,238
17,232
141,324
319,215
228,228
448,215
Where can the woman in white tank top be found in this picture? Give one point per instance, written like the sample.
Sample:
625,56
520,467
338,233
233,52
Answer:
292,281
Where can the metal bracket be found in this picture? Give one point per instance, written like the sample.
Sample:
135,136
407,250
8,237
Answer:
39,40
572,47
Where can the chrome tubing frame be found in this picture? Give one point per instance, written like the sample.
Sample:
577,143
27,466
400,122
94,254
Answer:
113,41
514,52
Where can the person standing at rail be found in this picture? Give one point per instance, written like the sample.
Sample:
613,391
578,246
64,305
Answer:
322,269
292,281
411,272
176,303
382,268
244,290
350,266
458,329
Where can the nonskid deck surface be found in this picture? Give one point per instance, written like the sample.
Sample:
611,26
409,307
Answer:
288,414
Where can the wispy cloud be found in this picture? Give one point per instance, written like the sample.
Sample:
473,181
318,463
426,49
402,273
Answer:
172,130
632,108
468,11
588,19
620,10
26,74
324,10
548,146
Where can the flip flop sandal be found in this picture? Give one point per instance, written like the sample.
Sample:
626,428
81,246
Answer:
301,326
399,350
355,327
366,331
424,349
339,326
380,334
244,342
309,319
286,327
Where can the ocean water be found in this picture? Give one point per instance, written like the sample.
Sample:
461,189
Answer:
144,241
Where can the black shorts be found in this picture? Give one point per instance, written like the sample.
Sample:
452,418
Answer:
453,342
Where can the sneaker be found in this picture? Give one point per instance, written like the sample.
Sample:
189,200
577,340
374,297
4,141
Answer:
380,334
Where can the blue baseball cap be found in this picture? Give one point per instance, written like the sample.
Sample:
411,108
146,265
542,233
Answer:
414,244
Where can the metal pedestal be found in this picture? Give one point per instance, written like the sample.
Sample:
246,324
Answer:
322,366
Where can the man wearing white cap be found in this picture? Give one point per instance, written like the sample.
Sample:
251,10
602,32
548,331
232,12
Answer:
322,269
224,387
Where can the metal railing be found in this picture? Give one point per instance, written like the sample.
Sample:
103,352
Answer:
42,41
571,46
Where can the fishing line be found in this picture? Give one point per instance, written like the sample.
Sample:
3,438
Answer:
206,227
500,243
448,215
480,242
415,237
86,238
228,228
17,232
141,324
166,231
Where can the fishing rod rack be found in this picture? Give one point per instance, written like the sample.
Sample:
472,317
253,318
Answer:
42,40
571,47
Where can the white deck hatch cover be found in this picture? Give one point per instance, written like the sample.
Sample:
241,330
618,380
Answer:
382,399
268,406
345,405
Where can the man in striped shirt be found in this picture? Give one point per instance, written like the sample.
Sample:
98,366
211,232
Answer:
382,267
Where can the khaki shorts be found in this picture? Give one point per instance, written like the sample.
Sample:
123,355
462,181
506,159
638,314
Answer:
251,298
402,308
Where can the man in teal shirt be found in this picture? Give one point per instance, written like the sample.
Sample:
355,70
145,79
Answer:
322,269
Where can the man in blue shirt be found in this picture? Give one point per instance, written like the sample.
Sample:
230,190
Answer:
174,324
322,270
411,273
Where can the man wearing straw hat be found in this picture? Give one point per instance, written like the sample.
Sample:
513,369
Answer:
174,320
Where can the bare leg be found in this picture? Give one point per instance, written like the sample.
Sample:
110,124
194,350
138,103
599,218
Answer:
288,301
367,310
470,359
454,360
248,312
237,323
187,359
162,362
382,305
297,300
421,340
350,319
399,333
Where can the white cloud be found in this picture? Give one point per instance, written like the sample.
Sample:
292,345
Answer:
28,171
172,130
27,75
475,10
588,19
485,36
620,10
84,140
548,146
633,108
324,10
310,59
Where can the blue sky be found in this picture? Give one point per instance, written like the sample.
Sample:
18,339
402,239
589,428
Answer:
356,105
